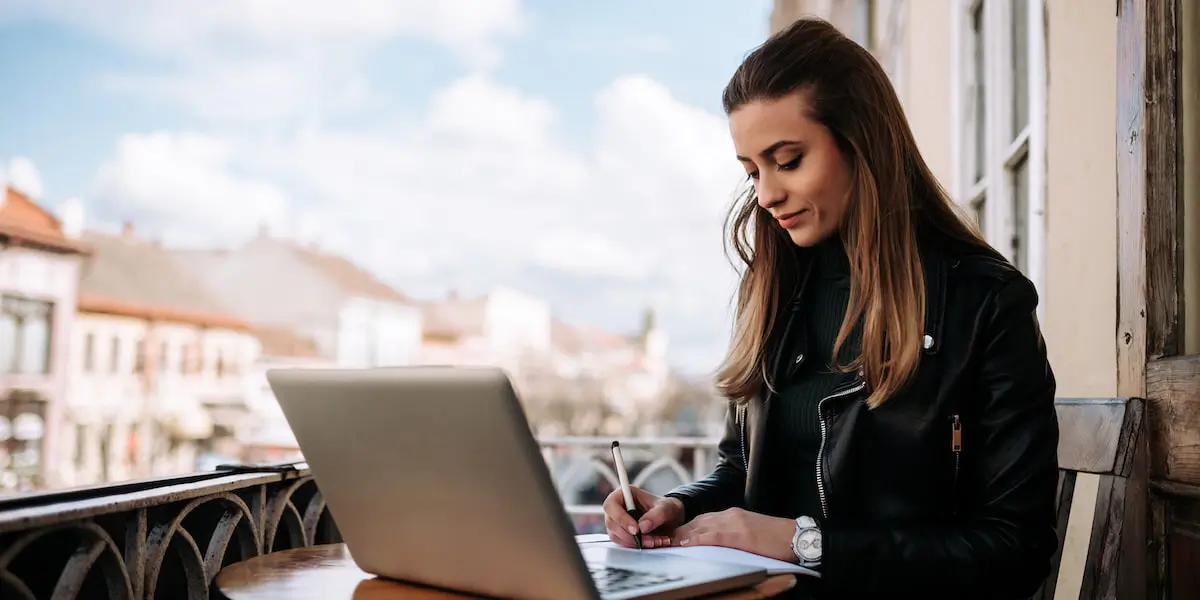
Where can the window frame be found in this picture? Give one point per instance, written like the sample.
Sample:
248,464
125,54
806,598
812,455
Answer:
1003,149
46,309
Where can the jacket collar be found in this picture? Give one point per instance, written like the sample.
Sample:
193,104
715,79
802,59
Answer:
934,263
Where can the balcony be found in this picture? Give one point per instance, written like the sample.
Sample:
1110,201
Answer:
168,537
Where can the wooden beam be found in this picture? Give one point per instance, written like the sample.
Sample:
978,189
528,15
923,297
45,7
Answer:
1164,227
1149,230
1173,418
1131,200
1149,243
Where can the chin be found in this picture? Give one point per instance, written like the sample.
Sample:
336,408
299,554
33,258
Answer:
805,237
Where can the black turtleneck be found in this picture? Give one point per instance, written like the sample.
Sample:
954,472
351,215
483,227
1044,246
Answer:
806,376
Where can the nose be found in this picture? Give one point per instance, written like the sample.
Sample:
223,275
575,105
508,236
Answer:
769,192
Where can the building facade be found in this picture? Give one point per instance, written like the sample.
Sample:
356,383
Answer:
157,368
270,438
39,274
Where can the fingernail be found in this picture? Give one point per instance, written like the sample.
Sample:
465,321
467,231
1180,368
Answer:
645,525
632,530
684,542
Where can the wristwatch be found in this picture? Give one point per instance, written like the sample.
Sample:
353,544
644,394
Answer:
806,542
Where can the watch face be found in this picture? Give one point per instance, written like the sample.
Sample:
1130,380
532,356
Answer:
808,544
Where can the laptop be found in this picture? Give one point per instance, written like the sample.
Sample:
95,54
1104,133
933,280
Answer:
433,476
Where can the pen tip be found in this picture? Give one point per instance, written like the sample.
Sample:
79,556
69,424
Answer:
615,444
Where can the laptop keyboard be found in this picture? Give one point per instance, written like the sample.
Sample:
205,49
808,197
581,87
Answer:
613,579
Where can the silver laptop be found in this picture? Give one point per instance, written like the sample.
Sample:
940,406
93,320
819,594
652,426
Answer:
434,477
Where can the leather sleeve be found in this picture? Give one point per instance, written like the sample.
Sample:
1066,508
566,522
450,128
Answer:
1001,544
725,486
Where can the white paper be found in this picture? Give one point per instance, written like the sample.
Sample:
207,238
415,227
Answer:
719,554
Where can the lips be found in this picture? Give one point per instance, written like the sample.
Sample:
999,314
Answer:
790,220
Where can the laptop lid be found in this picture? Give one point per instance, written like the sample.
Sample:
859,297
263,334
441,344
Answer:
433,476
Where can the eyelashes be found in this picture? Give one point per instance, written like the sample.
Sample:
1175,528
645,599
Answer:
787,166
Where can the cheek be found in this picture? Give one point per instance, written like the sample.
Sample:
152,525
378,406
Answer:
824,190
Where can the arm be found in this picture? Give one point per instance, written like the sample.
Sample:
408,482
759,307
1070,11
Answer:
1002,544
725,487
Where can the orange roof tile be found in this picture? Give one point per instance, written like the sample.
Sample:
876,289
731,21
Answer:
281,342
93,303
23,221
452,318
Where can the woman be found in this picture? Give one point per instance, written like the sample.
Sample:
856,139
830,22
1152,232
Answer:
891,421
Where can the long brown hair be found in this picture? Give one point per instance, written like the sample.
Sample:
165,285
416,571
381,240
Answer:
893,195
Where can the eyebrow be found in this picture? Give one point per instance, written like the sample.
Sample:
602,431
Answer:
772,149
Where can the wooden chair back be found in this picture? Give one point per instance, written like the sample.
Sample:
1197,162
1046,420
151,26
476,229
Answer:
1099,439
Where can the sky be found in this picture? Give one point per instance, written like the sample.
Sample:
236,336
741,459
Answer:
575,151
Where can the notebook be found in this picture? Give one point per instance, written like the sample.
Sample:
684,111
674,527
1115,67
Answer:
712,554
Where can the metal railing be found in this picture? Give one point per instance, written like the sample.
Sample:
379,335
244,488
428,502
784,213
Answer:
168,537
656,464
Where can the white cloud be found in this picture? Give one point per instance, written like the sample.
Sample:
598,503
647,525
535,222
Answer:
248,92
183,185
22,175
268,61
483,189
471,28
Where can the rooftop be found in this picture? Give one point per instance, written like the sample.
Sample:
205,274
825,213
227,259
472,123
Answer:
25,222
132,277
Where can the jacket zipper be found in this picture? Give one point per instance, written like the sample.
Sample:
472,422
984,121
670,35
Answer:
741,419
821,449
956,448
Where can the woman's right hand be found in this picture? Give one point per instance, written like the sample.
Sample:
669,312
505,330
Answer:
661,517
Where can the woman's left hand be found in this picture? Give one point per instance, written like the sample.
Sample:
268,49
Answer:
740,529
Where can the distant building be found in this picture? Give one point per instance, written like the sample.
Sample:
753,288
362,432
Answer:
633,369
158,367
351,317
505,328
269,438
39,273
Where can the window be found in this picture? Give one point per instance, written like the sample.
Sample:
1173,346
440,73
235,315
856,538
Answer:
25,326
89,349
892,46
139,357
862,28
81,446
1000,117
164,357
191,359
114,358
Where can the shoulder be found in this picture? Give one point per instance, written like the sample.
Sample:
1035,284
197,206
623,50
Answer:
987,280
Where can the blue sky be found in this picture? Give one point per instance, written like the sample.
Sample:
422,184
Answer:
572,150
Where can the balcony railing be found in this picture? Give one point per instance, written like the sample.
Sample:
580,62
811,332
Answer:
168,537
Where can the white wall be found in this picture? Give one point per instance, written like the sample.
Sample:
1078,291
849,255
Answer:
1081,197
517,321
112,393
375,333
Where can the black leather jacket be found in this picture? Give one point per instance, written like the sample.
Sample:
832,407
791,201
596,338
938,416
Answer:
947,490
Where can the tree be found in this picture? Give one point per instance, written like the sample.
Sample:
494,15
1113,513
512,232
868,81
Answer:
557,404
689,407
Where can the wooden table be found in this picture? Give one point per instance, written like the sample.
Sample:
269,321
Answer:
327,572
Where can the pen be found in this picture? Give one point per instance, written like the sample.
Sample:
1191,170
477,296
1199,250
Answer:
623,476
